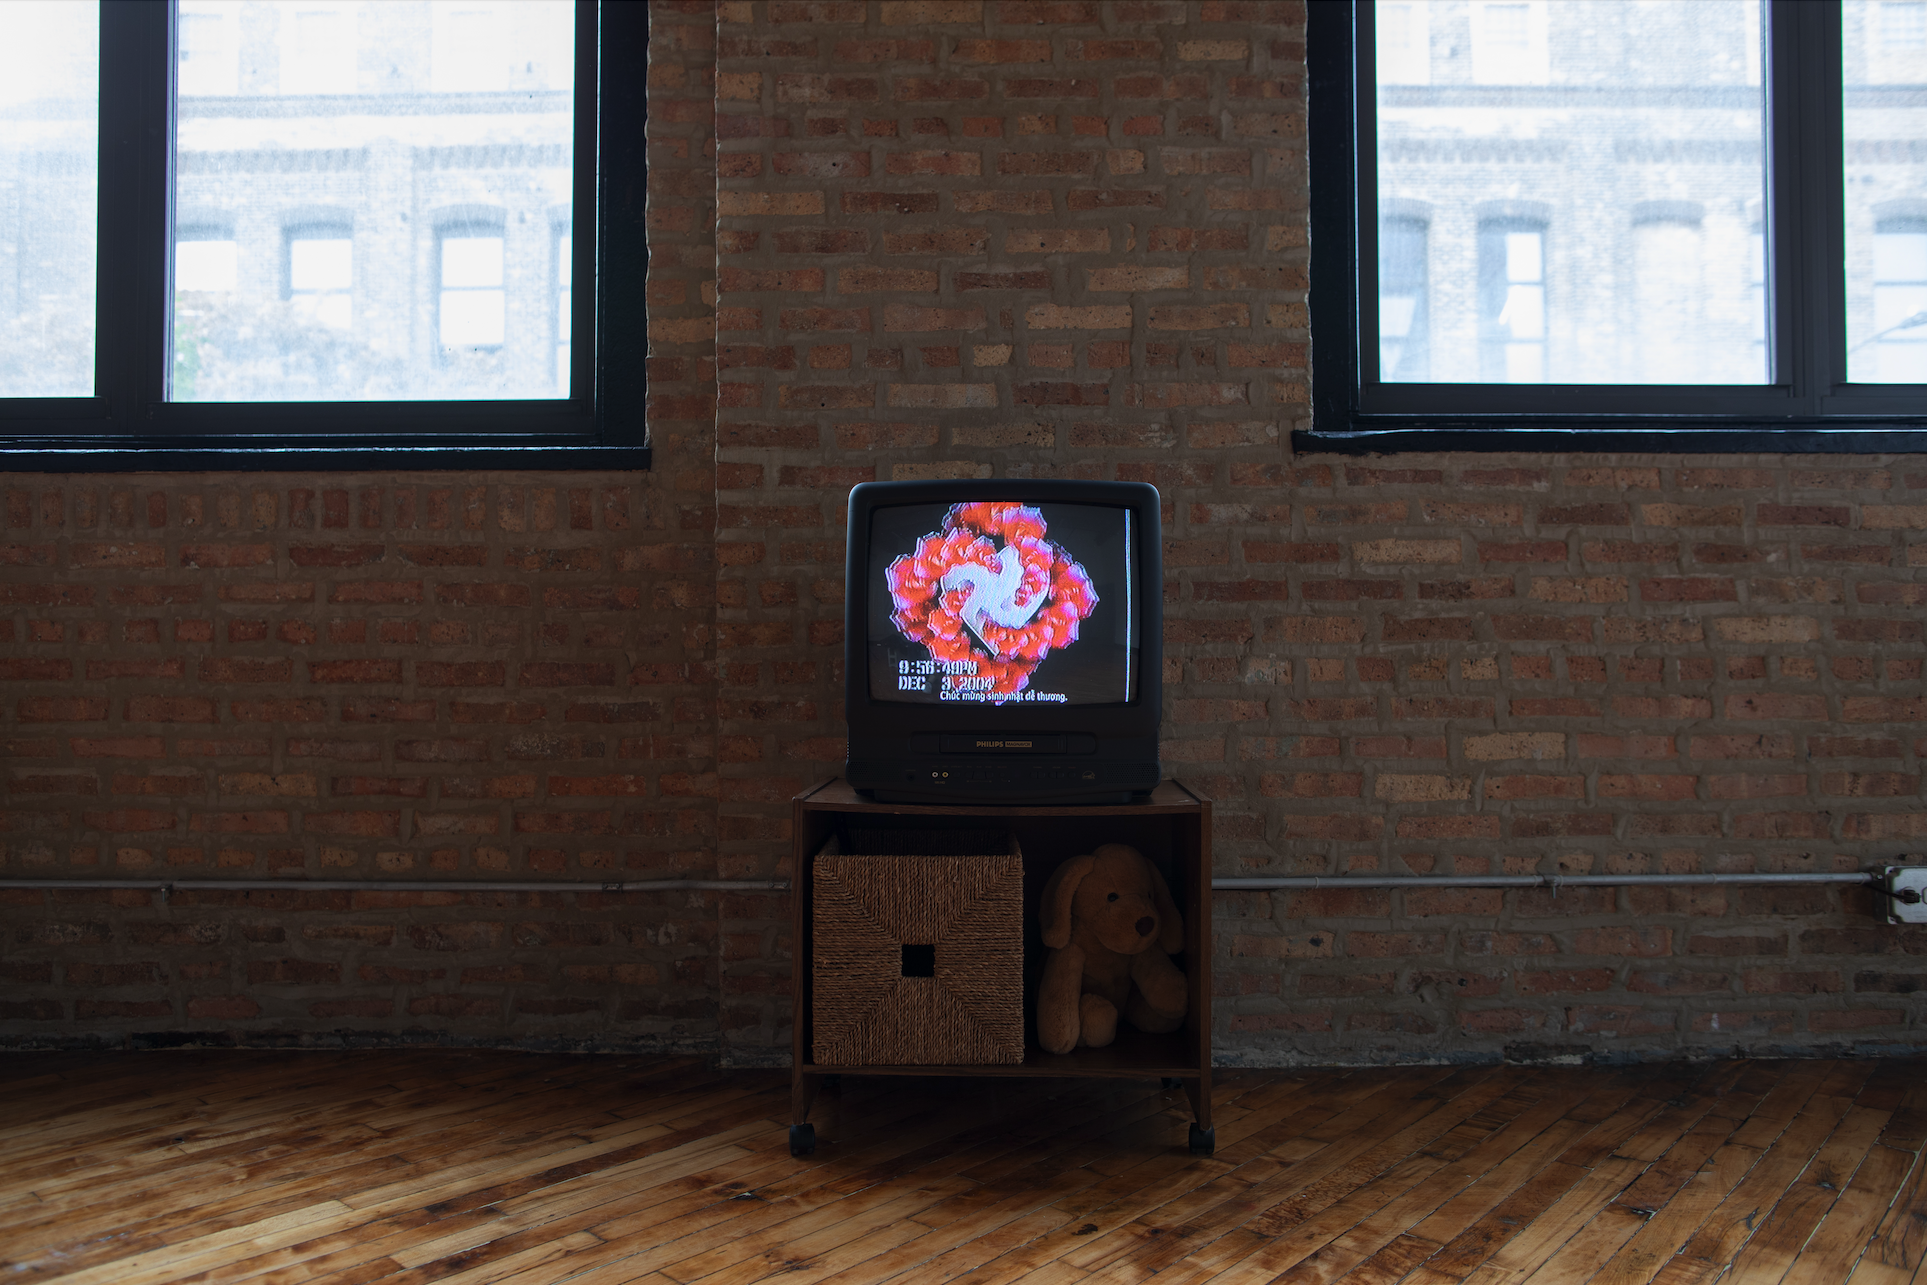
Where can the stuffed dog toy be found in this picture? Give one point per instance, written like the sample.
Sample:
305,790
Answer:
1110,924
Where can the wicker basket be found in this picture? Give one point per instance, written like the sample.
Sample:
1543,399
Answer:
881,920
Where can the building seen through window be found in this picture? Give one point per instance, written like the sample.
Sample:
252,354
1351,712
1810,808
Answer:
387,115
205,261
1557,109
1512,303
1636,133
1401,300
564,260
49,202
321,276
1885,67
474,305
1900,302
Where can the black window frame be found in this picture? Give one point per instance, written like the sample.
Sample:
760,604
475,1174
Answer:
129,425
1811,407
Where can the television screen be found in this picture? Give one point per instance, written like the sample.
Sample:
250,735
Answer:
997,603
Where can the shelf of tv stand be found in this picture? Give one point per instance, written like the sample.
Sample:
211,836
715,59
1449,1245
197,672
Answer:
1171,824
1134,1055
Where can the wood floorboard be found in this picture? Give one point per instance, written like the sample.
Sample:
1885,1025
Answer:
434,1167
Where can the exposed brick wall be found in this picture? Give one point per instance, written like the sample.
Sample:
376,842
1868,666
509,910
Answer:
355,677
964,238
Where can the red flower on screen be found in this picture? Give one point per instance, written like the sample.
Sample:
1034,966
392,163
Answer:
991,588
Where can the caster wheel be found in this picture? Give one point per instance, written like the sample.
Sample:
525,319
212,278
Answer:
803,1139
1203,1141
1170,1082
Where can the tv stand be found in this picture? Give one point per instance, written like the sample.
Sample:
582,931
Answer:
1171,825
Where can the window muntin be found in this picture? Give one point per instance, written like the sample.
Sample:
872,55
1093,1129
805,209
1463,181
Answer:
1556,109
49,197
389,158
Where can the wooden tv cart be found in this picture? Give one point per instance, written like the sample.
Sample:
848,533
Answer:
1172,827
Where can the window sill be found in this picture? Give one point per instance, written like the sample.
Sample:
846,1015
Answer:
1389,435
255,454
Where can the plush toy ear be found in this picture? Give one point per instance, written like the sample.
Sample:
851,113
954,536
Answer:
1171,923
1054,911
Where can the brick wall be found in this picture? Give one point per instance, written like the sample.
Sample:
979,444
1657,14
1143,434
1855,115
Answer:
964,238
354,678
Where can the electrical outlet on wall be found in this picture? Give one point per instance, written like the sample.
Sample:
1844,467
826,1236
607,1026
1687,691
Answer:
1906,889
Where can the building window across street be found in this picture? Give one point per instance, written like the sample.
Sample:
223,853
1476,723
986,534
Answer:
363,200
473,302
1676,219
321,276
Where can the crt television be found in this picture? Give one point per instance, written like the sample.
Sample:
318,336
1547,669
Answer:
1001,641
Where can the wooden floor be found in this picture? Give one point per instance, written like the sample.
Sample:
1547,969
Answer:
472,1167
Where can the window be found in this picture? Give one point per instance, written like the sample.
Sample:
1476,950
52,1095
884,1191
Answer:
1897,50
207,63
49,202
1637,224
321,276
474,306
1404,43
1899,342
368,207
206,262
471,49
1512,302
1404,342
1509,42
317,48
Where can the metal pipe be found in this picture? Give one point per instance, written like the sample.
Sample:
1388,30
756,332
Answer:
1529,881
1254,884
395,885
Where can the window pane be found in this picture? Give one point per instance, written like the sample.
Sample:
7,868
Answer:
1590,175
49,142
1885,70
367,162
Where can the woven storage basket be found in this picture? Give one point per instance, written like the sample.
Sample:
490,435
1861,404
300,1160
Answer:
868,909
